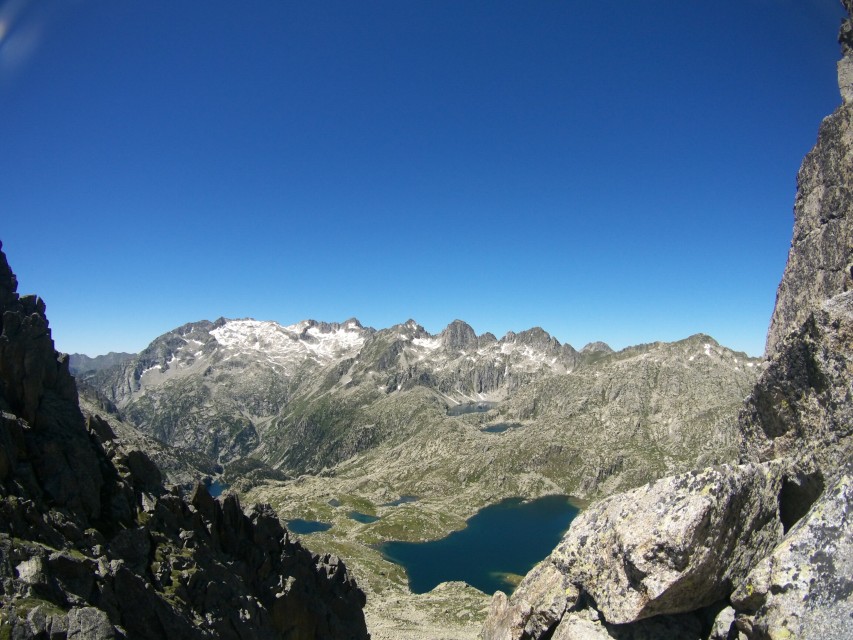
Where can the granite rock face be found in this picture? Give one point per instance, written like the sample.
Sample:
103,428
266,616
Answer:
803,589
458,335
802,404
820,260
668,548
93,546
761,550
681,540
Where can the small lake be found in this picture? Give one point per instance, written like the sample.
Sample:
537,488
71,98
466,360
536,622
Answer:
399,501
216,488
307,526
500,427
362,517
471,407
501,540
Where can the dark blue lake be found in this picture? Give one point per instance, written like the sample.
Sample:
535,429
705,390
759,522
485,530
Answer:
307,526
216,488
505,538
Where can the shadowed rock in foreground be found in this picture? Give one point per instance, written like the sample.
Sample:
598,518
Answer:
763,549
93,546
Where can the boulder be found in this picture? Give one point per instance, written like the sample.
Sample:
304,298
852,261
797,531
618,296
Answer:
536,606
670,547
143,472
675,545
804,588
89,623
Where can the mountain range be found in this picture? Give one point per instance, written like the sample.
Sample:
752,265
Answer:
716,488
301,398
314,414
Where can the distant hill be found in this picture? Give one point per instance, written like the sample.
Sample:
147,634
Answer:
80,363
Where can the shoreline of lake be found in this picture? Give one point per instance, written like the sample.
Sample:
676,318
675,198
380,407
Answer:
504,539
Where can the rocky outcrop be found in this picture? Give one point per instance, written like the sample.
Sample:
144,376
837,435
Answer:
670,547
820,260
757,551
802,404
458,336
92,545
803,589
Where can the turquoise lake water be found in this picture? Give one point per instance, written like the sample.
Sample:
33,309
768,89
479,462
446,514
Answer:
505,538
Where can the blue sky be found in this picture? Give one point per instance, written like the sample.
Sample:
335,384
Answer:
614,171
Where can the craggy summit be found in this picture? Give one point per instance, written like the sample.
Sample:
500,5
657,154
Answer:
92,545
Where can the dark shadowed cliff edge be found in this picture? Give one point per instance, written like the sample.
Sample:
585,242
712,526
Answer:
759,550
94,547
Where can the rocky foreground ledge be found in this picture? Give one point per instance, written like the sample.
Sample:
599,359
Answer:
94,547
760,550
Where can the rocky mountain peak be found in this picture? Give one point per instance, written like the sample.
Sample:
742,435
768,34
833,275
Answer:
596,347
410,330
458,336
537,337
353,323
487,338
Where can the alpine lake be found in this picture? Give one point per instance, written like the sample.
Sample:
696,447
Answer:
497,546
500,544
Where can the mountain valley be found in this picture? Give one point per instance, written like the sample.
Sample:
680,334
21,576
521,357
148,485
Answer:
713,489
317,414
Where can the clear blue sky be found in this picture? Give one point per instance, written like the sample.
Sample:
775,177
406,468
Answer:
617,171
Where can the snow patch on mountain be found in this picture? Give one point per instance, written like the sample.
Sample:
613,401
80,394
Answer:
294,342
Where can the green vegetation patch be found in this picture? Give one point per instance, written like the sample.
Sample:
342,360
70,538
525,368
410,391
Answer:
23,607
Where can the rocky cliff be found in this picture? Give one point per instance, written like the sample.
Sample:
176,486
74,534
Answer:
93,546
757,550
820,260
